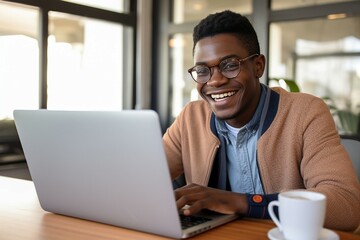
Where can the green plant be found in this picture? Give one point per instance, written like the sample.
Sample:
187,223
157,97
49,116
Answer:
289,84
347,121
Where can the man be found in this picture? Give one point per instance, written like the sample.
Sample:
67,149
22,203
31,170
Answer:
244,143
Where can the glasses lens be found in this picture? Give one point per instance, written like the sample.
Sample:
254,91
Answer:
230,68
200,73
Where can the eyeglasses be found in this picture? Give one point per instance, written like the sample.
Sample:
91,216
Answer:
229,68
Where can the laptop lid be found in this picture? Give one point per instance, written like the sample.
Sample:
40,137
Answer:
104,166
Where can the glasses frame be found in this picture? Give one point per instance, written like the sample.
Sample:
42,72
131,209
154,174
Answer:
190,70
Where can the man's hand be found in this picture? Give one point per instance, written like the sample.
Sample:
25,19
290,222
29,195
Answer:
200,197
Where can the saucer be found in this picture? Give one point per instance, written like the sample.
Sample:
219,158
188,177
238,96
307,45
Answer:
325,234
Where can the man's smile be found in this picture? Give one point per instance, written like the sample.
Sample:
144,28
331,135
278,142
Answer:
221,96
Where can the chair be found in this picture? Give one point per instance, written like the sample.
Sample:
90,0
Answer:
352,145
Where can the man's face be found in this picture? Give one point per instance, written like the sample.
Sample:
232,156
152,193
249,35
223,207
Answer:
233,100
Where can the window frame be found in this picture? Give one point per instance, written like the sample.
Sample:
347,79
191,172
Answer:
127,19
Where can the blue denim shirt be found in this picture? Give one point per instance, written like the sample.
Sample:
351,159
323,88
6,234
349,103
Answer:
241,164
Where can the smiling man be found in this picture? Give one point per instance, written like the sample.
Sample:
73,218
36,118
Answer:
244,143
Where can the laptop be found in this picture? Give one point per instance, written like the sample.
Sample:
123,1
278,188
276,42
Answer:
105,166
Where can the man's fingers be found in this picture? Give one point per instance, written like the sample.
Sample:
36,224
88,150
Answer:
194,200
186,190
194,208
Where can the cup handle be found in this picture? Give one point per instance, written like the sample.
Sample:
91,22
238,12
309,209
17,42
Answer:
271,206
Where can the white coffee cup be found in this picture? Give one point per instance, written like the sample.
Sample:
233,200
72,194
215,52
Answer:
301,213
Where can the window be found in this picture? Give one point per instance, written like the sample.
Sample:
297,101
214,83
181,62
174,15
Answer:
88,55
85,63
112,5
322,56
183,87
286,4
19,58
194,10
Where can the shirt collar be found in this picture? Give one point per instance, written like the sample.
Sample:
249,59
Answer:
253,124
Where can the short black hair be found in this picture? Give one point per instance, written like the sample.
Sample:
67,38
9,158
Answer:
228,22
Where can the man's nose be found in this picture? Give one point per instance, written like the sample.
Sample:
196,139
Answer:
216,78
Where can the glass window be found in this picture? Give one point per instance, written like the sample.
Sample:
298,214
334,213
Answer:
112,5
194,10
322,56
85,63
183,87
19,58
286,4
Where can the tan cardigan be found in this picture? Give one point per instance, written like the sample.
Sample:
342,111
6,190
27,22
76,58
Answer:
300,149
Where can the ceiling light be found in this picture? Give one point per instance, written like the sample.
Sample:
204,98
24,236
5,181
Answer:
198,6
336,16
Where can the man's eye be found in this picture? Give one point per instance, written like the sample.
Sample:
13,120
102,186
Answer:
230,66
202,71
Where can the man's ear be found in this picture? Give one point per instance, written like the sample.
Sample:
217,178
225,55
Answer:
260,62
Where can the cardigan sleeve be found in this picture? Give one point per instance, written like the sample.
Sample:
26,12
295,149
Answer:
302,150
258,205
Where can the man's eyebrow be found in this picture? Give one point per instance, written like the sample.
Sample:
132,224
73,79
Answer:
220,60
229,56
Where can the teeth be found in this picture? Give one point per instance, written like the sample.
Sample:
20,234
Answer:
222,95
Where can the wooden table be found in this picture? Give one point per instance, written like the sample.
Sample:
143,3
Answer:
21,217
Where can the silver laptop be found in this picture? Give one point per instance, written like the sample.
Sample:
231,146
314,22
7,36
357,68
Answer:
105,166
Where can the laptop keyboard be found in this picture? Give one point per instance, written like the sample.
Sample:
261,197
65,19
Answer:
191,221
